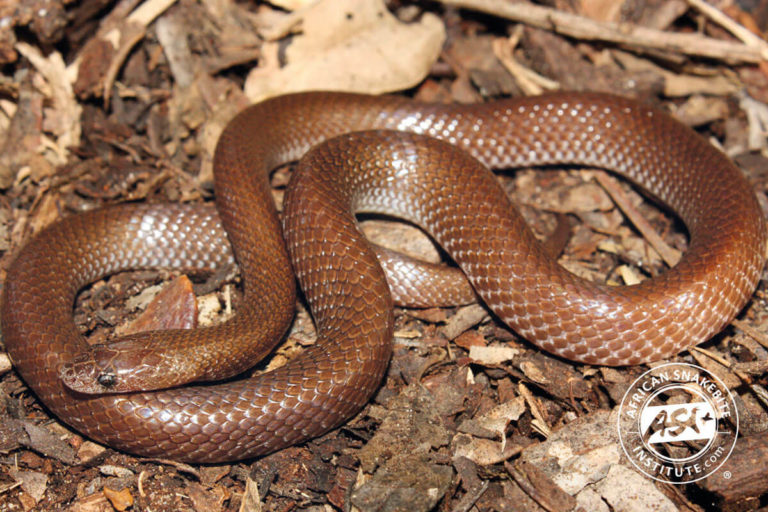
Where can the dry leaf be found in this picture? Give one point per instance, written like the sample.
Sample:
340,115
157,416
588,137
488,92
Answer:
699,110
497,419
480,451
400,237
203,498
174,307
493,355
586,197
34,483
351,45
625,489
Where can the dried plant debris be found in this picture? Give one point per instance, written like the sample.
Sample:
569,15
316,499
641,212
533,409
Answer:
353,45
106,102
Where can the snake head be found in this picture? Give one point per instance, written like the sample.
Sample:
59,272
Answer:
121,367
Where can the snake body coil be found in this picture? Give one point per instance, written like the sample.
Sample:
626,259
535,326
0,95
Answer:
344,285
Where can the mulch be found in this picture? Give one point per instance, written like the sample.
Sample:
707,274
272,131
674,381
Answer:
106,102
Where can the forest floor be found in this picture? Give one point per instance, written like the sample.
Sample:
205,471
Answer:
105,102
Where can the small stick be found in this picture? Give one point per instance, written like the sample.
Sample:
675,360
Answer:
529,81
750,331
669,254
581,27
739,31
743,377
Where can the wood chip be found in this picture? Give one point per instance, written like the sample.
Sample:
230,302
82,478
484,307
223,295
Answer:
121,500
493,355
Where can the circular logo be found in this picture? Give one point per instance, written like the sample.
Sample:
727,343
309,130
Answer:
678,423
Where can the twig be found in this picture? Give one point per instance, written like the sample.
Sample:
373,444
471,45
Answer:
128,34
670,255
760,393
469,500
130,37
740,31
529,81
750,331
743,377
581,27
148,11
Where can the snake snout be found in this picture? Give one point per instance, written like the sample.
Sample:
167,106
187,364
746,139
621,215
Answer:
120,367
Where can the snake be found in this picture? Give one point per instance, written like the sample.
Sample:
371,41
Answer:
427,163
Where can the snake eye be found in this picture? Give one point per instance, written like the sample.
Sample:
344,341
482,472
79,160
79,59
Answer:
107,380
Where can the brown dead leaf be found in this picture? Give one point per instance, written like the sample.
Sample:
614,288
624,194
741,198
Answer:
46,212
206,499
430,315
209,475
555,376
408,481
587,197
699,110
412,423
350,45
579,453
104,55
401,237
497,419
680,85
47,443
174,307
34,483
481,451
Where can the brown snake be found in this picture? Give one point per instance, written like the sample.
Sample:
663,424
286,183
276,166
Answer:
344,285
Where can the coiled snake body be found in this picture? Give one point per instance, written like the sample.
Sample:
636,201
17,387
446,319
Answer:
344,285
